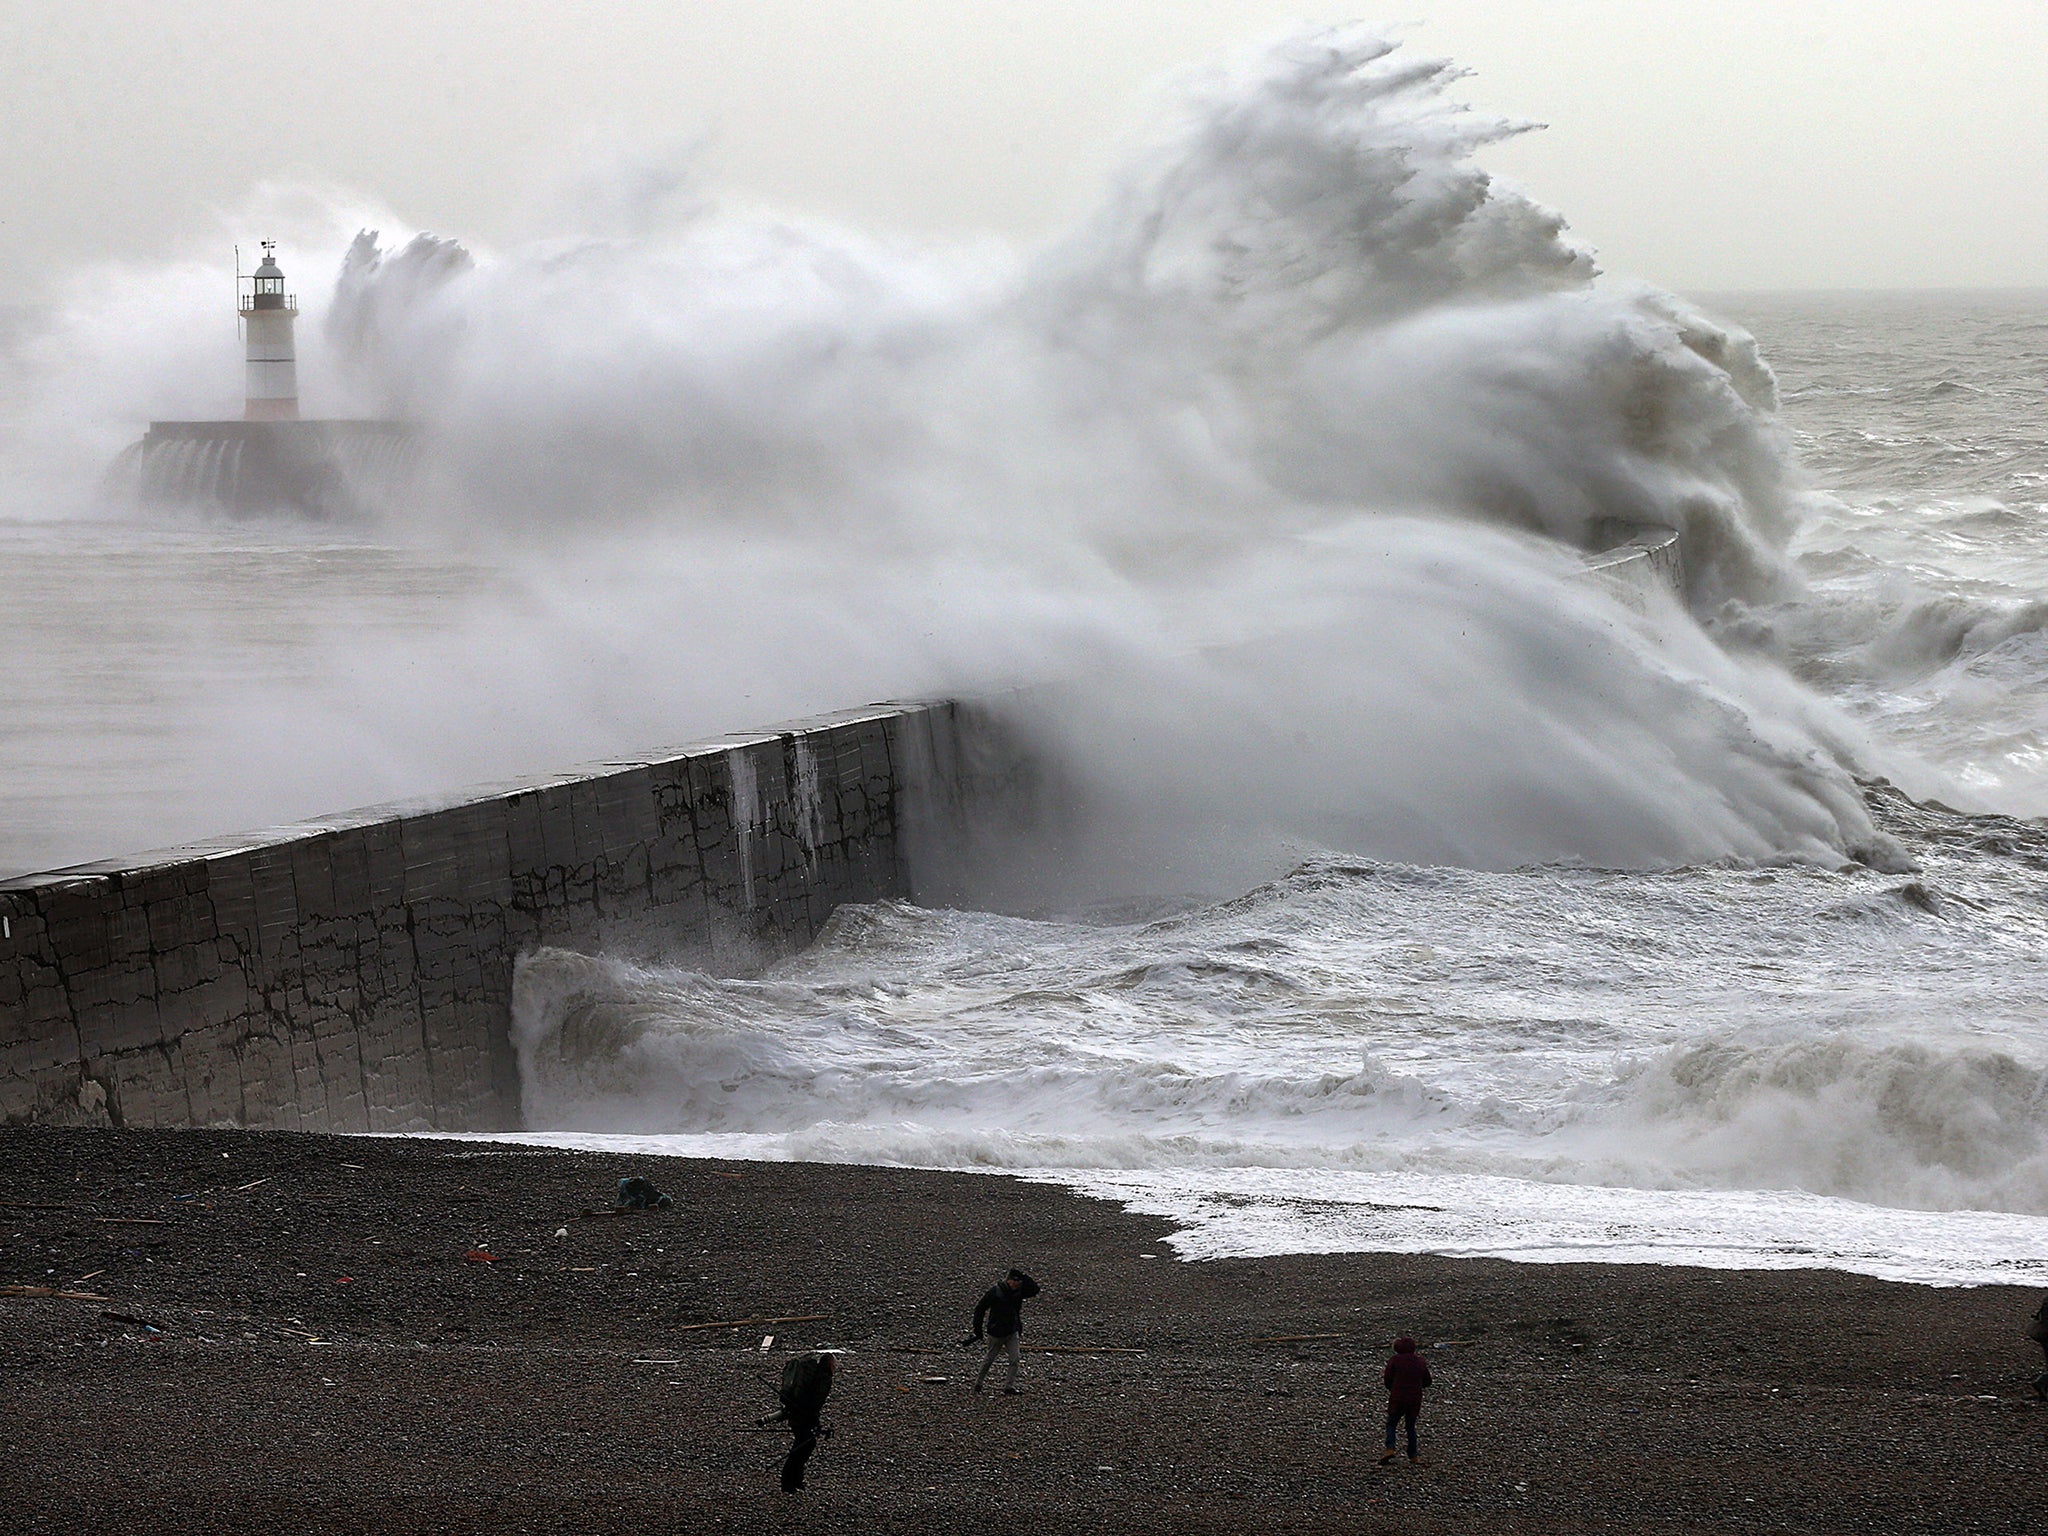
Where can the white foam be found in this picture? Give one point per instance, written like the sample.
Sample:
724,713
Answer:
1702,1065
1251,1213
1256,1212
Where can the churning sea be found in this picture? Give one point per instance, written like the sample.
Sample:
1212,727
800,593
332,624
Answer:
1727,1051
1742,1064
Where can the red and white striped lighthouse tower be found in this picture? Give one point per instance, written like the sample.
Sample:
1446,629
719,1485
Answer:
268,314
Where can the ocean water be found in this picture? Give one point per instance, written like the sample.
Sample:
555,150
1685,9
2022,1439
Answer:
149,659
1429,896
1734,1065
1741,1063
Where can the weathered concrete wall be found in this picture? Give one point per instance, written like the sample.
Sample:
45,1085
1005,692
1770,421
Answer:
339,469
355,973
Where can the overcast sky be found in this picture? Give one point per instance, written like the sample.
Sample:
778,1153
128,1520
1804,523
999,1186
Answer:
1701,144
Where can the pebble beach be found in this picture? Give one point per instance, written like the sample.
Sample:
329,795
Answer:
246,1331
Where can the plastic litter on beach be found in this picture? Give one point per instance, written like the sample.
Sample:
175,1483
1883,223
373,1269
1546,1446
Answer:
481,1256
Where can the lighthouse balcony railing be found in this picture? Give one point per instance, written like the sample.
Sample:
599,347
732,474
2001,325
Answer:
288,301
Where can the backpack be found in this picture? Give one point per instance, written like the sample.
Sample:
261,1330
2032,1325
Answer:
806,1383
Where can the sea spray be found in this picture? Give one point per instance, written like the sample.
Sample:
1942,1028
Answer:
1274,465
1268,481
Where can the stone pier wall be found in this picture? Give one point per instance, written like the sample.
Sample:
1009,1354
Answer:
355,973
1651,560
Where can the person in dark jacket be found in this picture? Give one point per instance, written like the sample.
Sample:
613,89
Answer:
806,1383
1002,1308
2038,1332
1406,1375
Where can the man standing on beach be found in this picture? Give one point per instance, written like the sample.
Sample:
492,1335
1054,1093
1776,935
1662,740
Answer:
806,1383
1003,1308
2038,1332
1406,1375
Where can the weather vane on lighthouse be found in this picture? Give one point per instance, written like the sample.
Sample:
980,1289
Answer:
268,313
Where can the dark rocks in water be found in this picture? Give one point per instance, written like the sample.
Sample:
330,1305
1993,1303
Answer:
1893,904
1914,894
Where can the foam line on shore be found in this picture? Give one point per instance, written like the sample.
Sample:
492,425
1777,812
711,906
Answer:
1265,1213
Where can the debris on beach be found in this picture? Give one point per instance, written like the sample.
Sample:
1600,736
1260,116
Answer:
749,1322
636,1194
1292,1338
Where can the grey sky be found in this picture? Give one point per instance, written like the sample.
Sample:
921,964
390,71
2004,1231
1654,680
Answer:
1697,143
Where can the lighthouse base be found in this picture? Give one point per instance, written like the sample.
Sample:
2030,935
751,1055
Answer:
348,470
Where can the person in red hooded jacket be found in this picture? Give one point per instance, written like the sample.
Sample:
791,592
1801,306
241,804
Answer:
1406,1375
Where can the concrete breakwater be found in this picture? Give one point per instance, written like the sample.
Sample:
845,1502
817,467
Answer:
354,973
319,469
1646,560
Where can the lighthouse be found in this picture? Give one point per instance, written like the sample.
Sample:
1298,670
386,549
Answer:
268,314
271,461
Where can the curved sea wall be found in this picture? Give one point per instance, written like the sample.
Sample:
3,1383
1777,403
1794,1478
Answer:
355,973
1650,559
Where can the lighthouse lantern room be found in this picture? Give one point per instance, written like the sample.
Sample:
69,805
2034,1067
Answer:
268,313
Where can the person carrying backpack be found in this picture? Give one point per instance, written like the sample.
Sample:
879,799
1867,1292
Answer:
1406,1375
1002,1305
806,1383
